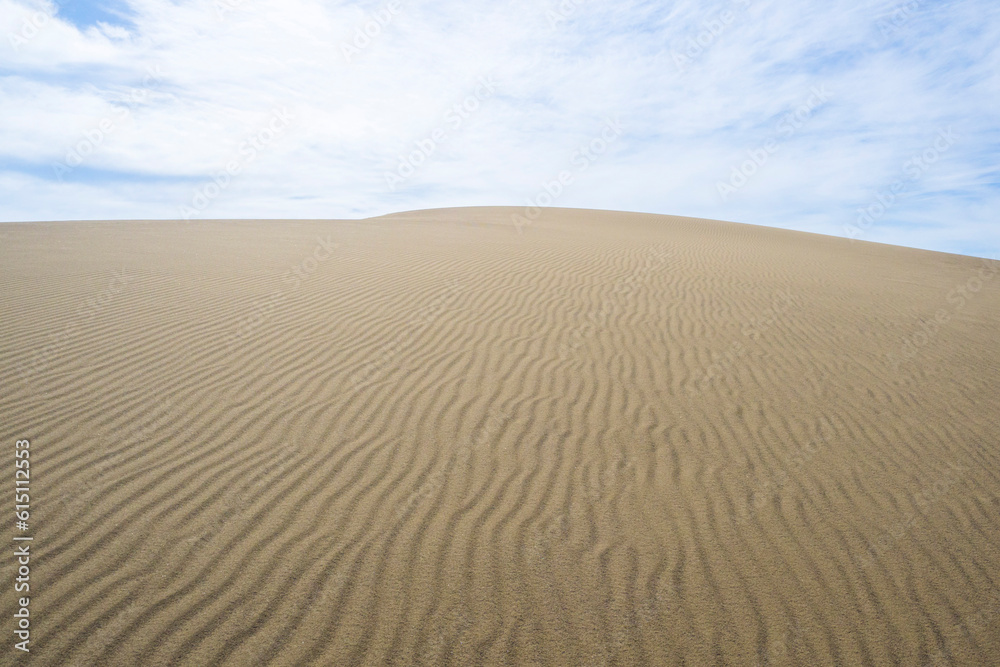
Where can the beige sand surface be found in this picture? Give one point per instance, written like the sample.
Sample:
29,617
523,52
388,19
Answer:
599,439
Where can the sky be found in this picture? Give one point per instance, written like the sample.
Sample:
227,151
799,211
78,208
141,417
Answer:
869,120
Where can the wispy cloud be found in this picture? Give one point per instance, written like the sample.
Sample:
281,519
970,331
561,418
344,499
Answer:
698,87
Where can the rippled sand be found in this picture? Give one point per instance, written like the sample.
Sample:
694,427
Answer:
592,438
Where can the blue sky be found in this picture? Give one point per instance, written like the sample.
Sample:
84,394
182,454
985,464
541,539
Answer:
872,120
88,14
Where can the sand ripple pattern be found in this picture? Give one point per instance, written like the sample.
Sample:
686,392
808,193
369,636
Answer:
427,439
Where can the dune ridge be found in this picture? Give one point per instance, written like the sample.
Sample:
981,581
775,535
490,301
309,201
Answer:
438,437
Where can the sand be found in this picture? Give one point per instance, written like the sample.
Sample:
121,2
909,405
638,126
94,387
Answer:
442,438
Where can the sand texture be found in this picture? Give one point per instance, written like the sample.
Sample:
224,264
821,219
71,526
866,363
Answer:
438,438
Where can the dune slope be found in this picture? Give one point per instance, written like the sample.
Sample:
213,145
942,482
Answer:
441,438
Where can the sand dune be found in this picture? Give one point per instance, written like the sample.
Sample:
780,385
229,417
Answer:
442,438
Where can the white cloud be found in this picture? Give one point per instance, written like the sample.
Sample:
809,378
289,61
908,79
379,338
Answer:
561,69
